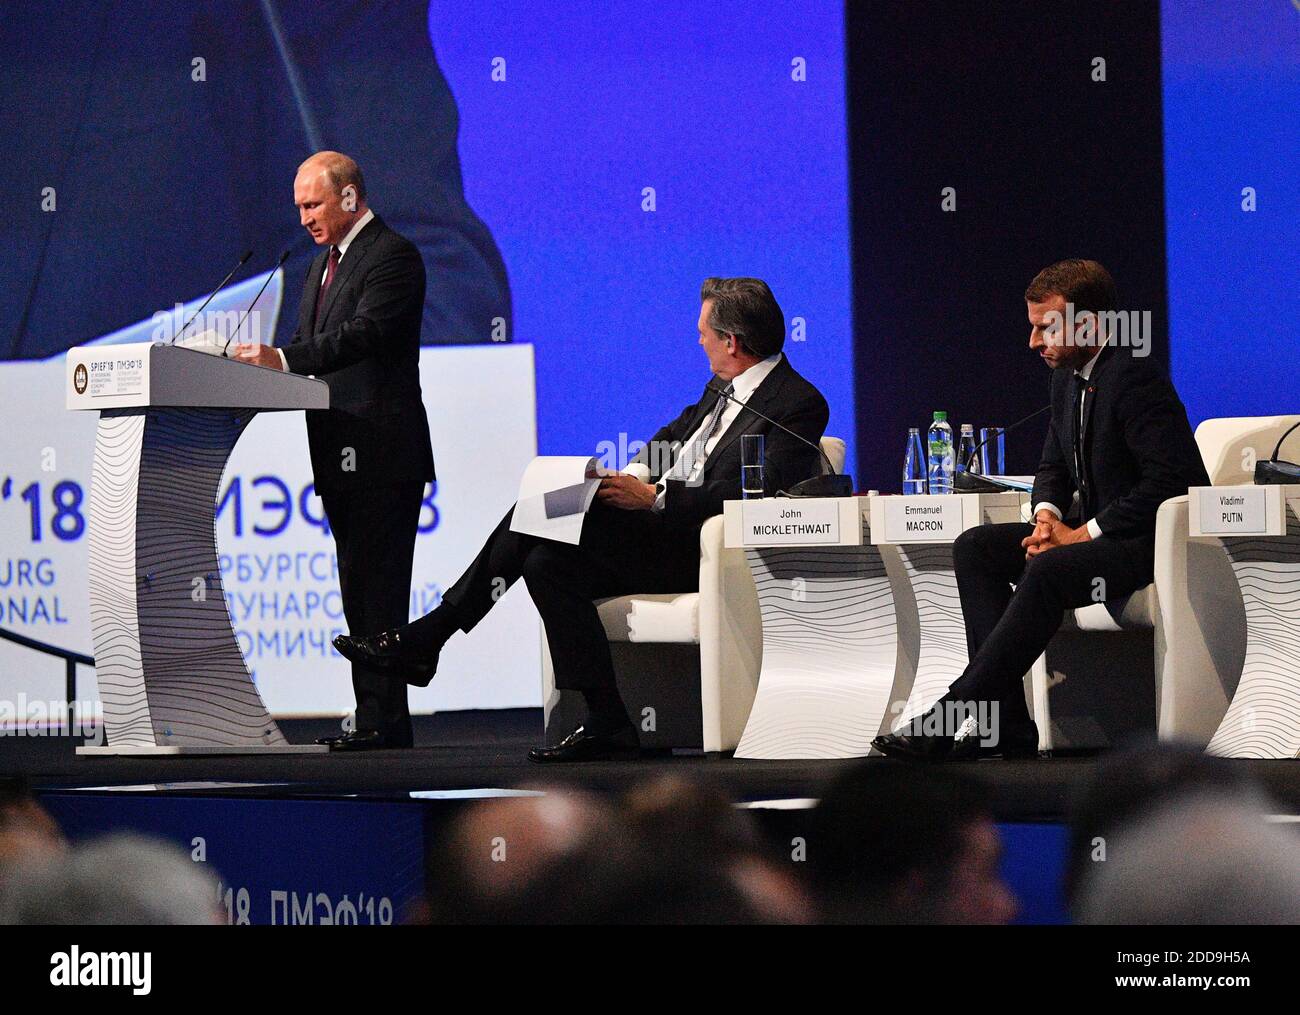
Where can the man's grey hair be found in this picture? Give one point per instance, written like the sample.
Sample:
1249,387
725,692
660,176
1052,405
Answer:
341,170
1207,857
118,880
746,308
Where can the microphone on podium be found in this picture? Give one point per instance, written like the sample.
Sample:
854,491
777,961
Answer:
283,257
972,482
832,484
220,285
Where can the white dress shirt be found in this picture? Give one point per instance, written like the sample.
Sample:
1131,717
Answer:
742,387
1083,373
343,245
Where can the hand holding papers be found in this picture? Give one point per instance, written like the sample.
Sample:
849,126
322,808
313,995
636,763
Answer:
554,496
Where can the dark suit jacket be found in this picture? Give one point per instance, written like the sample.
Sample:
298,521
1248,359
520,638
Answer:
785,396
1137,449
366,347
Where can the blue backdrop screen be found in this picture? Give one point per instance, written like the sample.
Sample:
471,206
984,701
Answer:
1231,75
734,127
572,170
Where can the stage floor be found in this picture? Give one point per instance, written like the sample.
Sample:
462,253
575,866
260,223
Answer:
488,750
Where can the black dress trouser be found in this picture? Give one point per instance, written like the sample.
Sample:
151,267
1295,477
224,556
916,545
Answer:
621,552
1005,630
374,531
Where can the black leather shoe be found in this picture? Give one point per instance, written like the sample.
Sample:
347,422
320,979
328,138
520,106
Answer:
385,652
1017,741
357,740
913,747
583,745
924,739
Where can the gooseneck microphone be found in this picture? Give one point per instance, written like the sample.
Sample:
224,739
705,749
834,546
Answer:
832,484
221,285
972,482
283,257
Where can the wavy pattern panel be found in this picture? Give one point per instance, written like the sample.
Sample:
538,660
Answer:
199,689
110,571
942,652
829,648
1263,720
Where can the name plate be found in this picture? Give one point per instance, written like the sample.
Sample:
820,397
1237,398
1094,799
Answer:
789,522
1235,511
922,519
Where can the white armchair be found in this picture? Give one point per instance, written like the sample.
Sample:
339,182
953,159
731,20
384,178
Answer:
1093,643
1193,611
1202,619
687,664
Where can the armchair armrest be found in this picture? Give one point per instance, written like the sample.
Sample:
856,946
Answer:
731,639
1201,633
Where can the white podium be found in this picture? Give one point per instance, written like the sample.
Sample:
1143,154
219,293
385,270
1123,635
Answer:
171,676
1259,529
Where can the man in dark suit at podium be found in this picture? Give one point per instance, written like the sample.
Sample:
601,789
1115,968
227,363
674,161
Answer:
1120,440
643,532
359,331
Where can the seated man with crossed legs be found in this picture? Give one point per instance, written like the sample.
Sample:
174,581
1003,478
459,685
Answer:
643,532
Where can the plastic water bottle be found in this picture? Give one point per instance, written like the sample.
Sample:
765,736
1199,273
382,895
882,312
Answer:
914,463
940,441
965,445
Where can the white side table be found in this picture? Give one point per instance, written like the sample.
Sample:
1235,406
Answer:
829,630
933,634
1259,529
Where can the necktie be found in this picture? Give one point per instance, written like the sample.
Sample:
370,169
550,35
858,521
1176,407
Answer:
330,268
1081,387
694,451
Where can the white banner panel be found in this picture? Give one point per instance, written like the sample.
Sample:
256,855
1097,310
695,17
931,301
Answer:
277,560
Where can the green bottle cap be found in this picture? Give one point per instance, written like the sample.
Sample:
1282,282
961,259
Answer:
941,417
